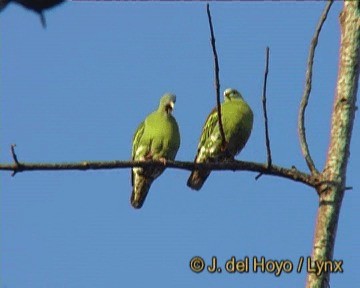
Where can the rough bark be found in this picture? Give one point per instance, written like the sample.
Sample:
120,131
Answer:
333,178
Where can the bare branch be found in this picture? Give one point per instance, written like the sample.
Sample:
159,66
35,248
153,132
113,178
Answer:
274,170
217,81
305,97
267,139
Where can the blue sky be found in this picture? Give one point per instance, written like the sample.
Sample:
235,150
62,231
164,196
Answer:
77,91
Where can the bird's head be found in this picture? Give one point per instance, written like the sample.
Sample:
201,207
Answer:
167,103
231,94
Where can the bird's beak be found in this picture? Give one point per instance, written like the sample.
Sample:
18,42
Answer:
172,105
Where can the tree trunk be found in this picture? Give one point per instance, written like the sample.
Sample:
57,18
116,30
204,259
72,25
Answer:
333,178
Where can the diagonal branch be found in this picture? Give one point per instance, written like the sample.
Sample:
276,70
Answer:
217,81
305,97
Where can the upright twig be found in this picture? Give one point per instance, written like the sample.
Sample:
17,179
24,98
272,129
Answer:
13,154
306,94
16,161
267,139
217,81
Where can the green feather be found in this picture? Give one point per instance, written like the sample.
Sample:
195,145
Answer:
156,138
237,119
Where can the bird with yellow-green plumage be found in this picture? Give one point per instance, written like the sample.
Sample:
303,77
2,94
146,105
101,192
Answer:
156,138
237,121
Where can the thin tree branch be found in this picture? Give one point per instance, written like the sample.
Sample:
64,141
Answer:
289,173
217,81
306,94
234,165
267,139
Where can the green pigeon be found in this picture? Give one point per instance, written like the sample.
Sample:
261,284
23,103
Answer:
237,120
156,138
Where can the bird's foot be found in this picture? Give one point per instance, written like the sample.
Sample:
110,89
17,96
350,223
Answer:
229,159
224,146
163,161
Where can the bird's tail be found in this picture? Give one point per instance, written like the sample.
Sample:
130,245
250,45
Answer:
140,191
197,179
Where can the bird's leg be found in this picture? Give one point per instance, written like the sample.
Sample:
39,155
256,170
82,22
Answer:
148,156
229,158
225,151
223,147
227,155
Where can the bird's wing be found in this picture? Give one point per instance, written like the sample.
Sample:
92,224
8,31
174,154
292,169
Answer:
209,126
135,145
137,139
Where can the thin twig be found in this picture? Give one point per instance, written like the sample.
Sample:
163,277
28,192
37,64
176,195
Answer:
267,139
217,81
16,161
13,154
305,97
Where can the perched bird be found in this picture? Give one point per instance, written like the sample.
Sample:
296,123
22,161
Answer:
156,138
237,122
38,6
